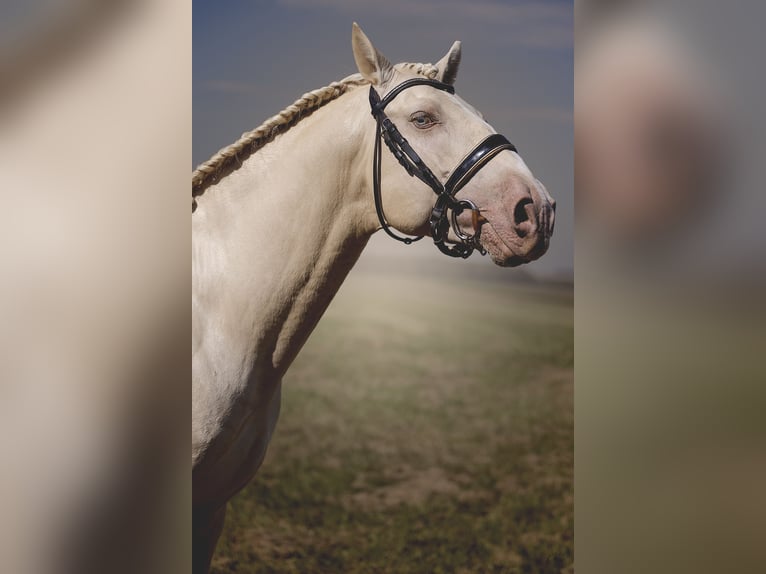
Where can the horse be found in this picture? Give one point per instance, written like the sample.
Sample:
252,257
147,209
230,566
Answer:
280,217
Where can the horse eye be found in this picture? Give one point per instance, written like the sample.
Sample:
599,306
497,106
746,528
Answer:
422,120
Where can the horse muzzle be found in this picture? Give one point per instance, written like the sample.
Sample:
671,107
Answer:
513,227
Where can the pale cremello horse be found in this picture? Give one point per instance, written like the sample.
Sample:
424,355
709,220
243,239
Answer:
275,233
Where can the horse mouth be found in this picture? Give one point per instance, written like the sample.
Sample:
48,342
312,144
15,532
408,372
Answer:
500,251
508,248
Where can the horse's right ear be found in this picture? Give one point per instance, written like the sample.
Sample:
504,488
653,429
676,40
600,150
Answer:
373,65
449,64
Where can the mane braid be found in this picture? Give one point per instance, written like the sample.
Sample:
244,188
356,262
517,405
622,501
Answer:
231,157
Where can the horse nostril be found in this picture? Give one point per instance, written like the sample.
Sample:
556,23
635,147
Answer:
553,205
520,214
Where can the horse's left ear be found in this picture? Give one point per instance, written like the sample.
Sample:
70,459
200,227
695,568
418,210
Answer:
449,64
374,66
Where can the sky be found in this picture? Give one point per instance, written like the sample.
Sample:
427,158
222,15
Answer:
253,58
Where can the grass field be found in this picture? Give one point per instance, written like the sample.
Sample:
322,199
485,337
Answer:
427,426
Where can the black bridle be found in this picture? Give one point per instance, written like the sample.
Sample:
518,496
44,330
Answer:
461,175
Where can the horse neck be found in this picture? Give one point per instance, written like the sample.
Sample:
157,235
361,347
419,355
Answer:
275,239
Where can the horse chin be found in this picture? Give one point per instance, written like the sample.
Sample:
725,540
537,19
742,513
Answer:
502,255
512,261
505,254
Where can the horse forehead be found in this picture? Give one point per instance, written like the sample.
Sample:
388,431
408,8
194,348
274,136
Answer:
449,103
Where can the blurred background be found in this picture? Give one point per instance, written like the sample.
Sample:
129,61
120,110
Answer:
95,109
669,316
427,424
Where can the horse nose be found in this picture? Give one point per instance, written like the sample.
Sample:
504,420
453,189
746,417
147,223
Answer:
524,217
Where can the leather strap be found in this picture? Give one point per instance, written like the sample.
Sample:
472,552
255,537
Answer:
378,104
475,160
377,195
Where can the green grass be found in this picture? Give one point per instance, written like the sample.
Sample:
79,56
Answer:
427,426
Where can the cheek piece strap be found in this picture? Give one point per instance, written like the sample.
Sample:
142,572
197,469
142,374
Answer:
447,207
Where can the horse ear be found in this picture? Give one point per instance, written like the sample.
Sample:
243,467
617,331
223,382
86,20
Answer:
373,65
449,65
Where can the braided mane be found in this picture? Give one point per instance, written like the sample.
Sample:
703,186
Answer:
231,157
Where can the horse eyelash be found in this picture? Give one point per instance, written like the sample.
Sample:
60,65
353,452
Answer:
434,119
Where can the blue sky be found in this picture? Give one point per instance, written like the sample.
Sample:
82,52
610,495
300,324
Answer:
253,58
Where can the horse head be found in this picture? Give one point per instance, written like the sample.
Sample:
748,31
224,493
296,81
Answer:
498,206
